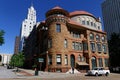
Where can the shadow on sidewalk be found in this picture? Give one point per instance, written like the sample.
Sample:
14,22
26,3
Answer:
24,73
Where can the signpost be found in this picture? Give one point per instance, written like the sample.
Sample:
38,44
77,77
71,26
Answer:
40,60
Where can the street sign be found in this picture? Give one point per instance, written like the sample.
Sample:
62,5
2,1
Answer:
40,59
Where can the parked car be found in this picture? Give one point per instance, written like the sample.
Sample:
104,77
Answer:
98,71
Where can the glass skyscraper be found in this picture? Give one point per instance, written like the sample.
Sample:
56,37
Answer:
111,16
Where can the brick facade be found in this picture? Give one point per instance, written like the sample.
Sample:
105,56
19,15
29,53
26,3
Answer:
69,43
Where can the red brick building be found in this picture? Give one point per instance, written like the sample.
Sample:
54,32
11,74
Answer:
65,40
16,47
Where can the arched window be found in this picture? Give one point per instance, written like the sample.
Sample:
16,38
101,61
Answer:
83,59
91,23
79,58
88,23
91,36
93,61
103,39
97,37
65,43
83,21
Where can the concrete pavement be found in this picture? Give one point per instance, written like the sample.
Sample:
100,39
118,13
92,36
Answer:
8,74
5,73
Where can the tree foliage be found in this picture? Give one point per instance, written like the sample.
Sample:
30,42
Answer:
17,60
1,37
114,49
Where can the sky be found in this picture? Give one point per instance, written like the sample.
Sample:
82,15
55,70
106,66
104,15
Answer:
13,12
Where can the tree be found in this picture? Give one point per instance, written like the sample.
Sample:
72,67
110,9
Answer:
1,37
17,60
114,49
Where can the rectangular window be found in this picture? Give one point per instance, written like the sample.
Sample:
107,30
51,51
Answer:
87,22
50,43
99,47
73,45
58,59
83,22
75,34
91,23
58,28
77,46
58,70
66,60
92,46
104,48
50,59
85,46
106,62
100,62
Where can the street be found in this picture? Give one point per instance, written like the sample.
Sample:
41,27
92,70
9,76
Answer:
8,74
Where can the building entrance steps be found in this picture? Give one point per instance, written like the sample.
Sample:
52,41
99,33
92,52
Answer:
70,71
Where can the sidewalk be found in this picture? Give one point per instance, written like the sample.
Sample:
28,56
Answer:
41,74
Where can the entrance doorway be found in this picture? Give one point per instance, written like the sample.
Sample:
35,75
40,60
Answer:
72,57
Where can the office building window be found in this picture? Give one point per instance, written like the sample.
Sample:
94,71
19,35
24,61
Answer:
58,28
58,59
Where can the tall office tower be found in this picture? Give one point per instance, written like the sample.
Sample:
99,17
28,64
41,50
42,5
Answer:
27,26
111,16
16,47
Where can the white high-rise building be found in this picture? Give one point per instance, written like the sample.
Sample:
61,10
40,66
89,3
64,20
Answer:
5,58
27,26
111,16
